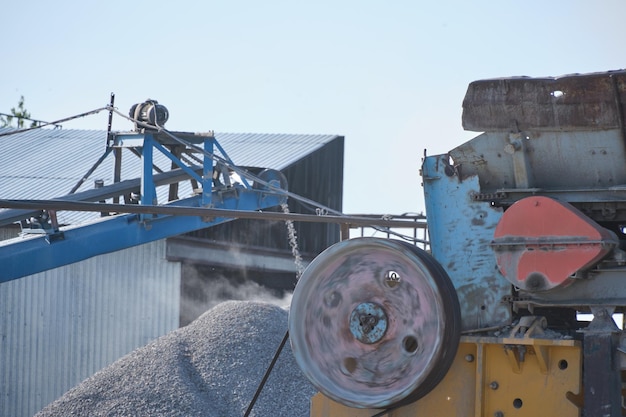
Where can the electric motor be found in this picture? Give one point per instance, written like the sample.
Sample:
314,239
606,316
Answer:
149,112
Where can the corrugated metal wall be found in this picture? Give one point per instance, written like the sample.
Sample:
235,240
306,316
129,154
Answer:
10,232
61,326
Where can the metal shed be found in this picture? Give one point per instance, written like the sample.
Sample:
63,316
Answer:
60,326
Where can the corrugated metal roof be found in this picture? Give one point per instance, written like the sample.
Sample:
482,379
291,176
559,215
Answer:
277,151
47,163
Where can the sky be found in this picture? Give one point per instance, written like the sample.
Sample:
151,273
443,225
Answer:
390,76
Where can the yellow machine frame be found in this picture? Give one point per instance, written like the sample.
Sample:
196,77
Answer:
494,377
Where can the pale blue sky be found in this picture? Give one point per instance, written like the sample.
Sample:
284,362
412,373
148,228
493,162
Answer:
389,76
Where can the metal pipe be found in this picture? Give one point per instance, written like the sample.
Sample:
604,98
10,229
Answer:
67,205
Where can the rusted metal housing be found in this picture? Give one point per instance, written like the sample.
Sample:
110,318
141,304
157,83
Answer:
572,102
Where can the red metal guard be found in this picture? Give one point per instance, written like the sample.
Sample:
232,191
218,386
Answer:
541,242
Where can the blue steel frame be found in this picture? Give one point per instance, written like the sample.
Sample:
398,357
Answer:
38,253
460,232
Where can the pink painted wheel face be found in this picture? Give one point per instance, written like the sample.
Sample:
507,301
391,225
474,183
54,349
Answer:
374,322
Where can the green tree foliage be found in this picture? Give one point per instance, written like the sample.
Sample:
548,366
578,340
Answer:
20,113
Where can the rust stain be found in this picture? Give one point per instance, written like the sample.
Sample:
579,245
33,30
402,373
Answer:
572,102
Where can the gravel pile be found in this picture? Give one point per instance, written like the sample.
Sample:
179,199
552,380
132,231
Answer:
211,368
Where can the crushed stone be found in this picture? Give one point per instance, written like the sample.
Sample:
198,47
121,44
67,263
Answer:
211,368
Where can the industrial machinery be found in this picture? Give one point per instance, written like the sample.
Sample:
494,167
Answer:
526,225
197,158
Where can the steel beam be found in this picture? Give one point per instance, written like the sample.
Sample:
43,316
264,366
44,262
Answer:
32,254
97,194
601,371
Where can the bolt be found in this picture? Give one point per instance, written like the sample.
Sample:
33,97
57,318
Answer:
498,414
494,385
367,322
469,358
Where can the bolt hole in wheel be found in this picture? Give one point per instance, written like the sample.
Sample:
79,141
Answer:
410,344
374,323
391,279
349,365
563,364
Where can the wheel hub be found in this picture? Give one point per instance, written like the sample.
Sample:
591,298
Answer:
368,322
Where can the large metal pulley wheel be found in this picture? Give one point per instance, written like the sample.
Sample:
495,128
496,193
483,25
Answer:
374,323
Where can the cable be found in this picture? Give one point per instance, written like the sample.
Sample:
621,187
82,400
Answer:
247,174
174,210
56,122
293,242
318,207
267,374
241,171
35,121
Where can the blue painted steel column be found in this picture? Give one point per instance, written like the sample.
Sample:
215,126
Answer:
148,189
207,172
